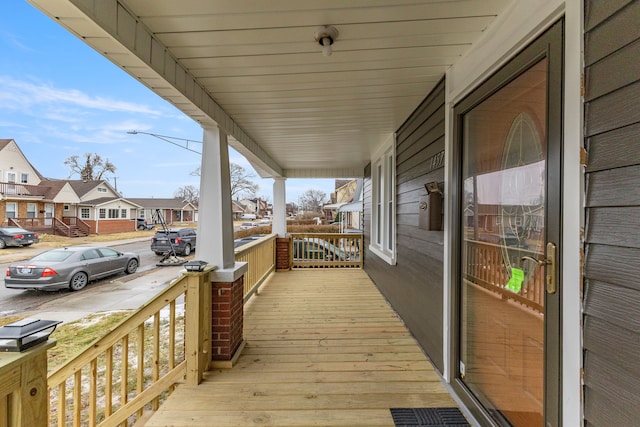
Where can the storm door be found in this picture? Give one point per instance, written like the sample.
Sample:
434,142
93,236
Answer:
48,214
509,135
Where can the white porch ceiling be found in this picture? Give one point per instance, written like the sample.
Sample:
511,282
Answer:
254,67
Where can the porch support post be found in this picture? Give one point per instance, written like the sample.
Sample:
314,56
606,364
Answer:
227,315
215,225
279,222
215,245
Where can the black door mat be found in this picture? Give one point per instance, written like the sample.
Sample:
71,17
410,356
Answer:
433,417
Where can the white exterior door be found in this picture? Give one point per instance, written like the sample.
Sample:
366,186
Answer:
48,214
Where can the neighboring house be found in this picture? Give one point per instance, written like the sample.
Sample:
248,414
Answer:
345,193
291,209
56,206
238,209
29,200
255,206
171,209
350,214
103,208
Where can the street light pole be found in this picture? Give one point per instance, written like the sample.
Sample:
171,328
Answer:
169,140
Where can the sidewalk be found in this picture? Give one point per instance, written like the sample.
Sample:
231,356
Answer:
121,294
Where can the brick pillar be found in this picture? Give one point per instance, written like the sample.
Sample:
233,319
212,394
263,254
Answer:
227,319
282,254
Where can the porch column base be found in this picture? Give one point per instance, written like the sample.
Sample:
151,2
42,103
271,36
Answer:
283,258
228,364
227,314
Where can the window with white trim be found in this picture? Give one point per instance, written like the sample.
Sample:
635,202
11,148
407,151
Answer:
102,213
123,213
85,213
101,190
11,210
24,178
66,208
113,213
383,215
32,209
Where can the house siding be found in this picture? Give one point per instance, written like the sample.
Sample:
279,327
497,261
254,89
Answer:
414,286
612,238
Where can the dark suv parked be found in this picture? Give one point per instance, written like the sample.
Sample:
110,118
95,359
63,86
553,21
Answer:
183,241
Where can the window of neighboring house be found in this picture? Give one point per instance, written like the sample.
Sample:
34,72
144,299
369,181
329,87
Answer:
32,210
11,210
383,228
123,213
141,213
113,213
102,190
66,208
85,213
24,178
102,213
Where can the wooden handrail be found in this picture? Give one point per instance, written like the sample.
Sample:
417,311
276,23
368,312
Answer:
76,387
63,226
261,258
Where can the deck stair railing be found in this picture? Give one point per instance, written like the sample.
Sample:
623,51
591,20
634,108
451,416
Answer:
326,250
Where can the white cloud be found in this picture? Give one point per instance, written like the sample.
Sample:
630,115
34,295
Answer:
17,94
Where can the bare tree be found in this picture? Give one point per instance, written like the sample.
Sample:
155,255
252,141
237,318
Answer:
241,181
312,200
241,184
188,193
90,167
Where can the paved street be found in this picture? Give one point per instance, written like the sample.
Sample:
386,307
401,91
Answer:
119,292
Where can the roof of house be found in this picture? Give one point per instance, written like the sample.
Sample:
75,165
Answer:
5,142
237,207
82,187
52,187
104,200
162,203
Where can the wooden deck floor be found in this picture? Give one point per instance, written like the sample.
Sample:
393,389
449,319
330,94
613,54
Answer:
323,349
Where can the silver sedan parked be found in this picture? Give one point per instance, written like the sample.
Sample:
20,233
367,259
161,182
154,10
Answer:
72,267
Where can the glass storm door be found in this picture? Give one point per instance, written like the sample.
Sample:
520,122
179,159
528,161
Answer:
48,214
508,241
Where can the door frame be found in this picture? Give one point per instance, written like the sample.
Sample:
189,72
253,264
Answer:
550,44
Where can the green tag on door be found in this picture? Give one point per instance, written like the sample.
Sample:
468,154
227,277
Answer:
517,278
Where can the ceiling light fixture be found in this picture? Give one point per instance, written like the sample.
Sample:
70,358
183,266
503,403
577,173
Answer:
326,35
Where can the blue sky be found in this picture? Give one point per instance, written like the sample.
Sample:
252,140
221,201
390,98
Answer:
58,98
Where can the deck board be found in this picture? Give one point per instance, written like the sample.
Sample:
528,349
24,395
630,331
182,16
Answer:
323,349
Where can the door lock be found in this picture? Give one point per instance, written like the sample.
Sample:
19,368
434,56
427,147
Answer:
550,262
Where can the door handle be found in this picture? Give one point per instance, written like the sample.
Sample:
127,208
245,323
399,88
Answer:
551,268
550,262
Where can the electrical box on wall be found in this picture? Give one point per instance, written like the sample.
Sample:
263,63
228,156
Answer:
430,215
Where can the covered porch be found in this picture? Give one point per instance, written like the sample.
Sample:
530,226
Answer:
323,347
